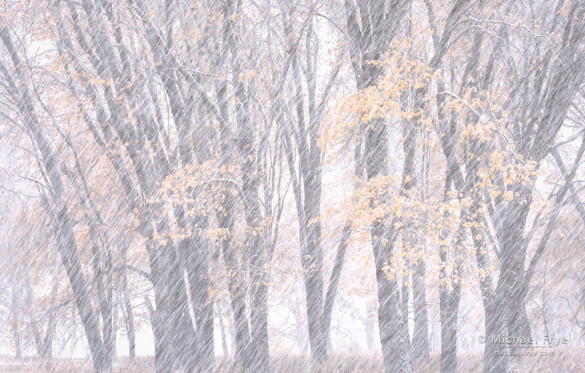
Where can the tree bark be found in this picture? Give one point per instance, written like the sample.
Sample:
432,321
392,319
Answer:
66,239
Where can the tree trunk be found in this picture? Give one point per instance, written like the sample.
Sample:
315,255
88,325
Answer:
420,338
370,38
257,358
197,262
16,323
494,355
66,239
449,308
46,351
222,329
129,319
448,305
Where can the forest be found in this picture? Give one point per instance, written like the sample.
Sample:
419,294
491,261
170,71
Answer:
292,186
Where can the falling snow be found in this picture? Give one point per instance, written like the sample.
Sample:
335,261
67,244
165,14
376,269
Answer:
292,186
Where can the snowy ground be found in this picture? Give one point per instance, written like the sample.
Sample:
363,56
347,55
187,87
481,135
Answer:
561,361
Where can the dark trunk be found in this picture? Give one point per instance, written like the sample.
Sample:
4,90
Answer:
494,355
129,319
420,338
449,298
448,332
390,321
391,318
66,239
370,35
160,319
334,281
257,357
509,291
197,261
